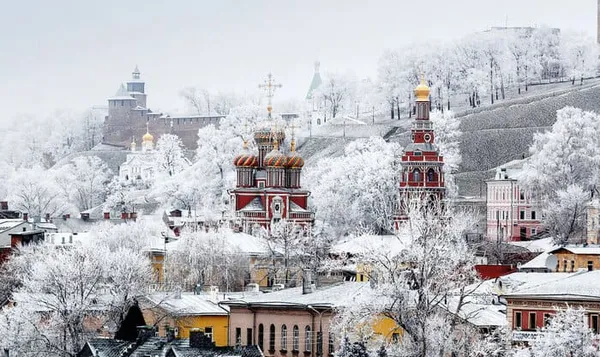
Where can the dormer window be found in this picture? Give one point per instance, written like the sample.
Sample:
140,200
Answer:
418,153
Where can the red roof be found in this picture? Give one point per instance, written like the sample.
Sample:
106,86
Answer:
493,271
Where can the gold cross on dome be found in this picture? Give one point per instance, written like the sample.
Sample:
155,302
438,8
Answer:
269,86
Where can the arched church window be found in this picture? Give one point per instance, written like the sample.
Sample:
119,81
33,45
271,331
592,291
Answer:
430,175
417,175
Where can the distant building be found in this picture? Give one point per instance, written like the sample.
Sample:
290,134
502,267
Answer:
422,176
297,321
268,185
530,306
140,164
316,107
513,213
185,312
129,116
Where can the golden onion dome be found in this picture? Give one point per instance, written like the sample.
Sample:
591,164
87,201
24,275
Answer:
147,137
275,158
422,91
294,161
246,158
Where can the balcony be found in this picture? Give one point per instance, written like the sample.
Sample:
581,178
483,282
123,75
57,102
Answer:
246,214
302,215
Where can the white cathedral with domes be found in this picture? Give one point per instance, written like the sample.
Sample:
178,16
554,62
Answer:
140,166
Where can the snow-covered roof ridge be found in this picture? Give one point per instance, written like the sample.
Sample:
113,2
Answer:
122,94
186,304
571,284
337,295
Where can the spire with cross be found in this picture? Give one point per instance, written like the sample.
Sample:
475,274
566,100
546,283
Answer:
269,87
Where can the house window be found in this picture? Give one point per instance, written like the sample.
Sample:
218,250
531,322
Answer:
261,336
532,321
564,265
430,175
594,323
307,339
533,231
284,337
533,215
572,265
272,338
518,320
295,338
238,336
590,265
417,175
522,216
208,332
522,195
249,337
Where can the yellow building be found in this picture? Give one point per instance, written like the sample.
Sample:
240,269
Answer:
572,258
182,312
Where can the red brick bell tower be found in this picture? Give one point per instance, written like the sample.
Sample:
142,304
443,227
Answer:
422,177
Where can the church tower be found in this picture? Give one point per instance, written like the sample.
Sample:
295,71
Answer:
422,177
136,87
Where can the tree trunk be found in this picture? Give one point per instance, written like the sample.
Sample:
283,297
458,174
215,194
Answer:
398,106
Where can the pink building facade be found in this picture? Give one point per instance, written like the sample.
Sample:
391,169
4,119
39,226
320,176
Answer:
282,330
513,214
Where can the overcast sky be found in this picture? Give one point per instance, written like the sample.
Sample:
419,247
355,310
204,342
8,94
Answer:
74,54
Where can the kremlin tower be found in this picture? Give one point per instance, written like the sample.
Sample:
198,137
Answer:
422,177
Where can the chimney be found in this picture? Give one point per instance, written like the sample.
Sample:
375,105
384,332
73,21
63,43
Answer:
4,205
214,294
307,286
106,215
25,216
199,340
144,333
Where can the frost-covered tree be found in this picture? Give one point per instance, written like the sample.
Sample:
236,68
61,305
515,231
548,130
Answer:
207,258
64,295
567,334
84,181
579,56
35,191
337,92
169,153
358,189
447,138
564,164
413,285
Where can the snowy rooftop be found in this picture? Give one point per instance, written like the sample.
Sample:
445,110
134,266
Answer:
538,262
370,243
580,249
339,295
581,285
6,224
122,94
241,242
538,245
186,304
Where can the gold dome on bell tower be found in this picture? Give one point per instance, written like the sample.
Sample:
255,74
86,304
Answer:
422,91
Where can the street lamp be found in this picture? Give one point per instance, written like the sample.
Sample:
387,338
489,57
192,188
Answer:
320,333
